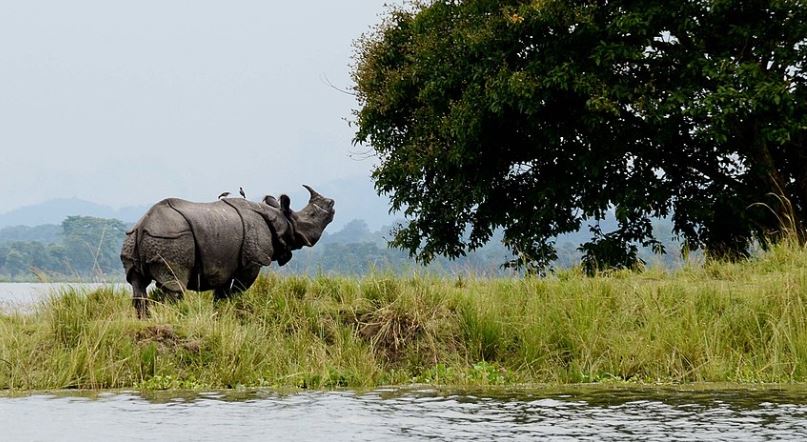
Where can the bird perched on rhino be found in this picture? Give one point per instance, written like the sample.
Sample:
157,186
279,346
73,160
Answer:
224,195
241,191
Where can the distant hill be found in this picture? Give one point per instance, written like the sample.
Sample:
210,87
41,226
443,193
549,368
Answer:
56,210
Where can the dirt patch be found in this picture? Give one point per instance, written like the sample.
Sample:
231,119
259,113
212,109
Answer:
157,333
166,338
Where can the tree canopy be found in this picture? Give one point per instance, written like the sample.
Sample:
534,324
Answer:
540,116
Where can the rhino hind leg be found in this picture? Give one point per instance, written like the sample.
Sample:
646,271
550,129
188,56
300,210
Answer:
139,295
169,262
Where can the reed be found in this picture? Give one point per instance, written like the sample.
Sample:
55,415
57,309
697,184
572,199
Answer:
716,322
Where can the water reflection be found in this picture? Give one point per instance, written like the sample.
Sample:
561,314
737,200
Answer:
571,413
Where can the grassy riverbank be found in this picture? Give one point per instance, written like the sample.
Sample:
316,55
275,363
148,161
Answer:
742,323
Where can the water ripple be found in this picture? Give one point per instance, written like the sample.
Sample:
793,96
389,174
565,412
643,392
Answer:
412,414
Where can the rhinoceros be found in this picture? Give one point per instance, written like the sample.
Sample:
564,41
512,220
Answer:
219,246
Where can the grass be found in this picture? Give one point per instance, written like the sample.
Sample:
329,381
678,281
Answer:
718,322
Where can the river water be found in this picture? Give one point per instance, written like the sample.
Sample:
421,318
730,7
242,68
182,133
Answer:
564,413
579,413
16,295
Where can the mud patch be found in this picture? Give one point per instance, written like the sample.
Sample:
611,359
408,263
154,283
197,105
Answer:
167,338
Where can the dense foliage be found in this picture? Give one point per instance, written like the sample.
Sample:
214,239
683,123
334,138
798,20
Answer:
540,116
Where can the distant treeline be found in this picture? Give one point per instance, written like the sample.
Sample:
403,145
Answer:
356,250
84,248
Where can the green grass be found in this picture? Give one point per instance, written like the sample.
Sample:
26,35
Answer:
740,323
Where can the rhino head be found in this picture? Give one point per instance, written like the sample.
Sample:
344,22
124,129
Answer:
308,223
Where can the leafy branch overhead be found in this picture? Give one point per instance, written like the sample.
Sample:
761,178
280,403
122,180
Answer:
538,117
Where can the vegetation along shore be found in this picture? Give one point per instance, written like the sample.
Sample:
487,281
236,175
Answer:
740,322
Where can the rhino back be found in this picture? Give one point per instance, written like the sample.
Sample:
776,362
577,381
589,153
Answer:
162,221
218,232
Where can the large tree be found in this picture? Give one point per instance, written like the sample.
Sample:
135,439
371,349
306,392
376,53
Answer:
539,116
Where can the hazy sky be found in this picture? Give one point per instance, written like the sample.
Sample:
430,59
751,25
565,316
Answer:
126,103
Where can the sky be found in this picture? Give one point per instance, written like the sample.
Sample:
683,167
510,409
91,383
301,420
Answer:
127,103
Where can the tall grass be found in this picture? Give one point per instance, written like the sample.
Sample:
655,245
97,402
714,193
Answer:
716,322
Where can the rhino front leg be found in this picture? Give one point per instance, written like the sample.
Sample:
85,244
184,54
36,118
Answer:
243,280
171,277
168,294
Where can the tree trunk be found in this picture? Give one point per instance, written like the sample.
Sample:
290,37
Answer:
787,208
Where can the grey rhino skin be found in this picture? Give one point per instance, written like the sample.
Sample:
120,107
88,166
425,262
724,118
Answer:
218,246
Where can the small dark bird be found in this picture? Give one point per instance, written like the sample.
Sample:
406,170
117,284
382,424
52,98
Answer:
241,191
224,195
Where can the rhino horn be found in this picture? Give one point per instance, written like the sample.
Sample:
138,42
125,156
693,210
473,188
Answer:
314,194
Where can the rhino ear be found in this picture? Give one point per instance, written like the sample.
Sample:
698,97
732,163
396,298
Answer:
271,201
285,203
